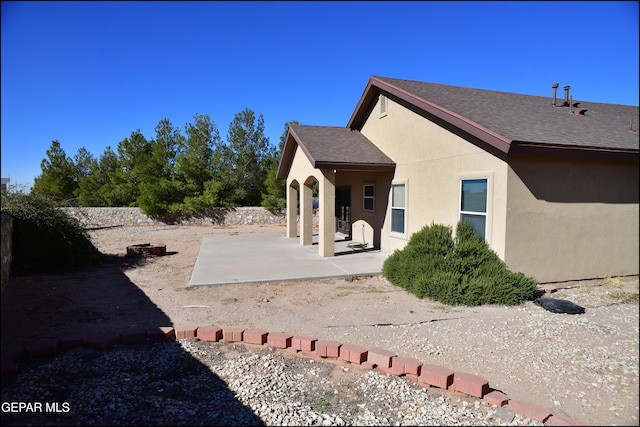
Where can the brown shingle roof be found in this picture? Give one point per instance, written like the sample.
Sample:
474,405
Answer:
508,120
332,147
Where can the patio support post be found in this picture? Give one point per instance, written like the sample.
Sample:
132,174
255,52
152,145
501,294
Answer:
292,211
327,231
306,215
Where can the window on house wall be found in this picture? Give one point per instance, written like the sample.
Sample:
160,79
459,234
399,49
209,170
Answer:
398,208
368,197
383,105
473,204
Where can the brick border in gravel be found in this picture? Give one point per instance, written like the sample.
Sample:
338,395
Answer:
368,358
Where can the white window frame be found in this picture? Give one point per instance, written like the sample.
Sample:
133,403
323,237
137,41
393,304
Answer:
365,197
403,233
488,177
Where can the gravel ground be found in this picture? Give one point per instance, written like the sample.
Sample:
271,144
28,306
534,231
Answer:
198,383
582,366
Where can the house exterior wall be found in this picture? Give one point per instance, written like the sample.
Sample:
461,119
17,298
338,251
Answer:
301,168
431,161
572,219
553,218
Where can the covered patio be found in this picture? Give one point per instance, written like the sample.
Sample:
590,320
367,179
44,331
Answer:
330,158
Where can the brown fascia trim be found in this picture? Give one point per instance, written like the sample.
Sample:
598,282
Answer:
301,145
492,138
527,148
338,166
287,155
367,96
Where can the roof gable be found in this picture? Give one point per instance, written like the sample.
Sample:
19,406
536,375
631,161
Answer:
512,122
332,147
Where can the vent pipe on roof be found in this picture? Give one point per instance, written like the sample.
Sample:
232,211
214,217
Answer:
574,108
566,96
555,89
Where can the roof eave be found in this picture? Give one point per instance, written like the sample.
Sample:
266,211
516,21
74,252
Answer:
289,149
286,158
379,167
532,148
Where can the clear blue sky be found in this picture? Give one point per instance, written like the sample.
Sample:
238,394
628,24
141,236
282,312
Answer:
90,73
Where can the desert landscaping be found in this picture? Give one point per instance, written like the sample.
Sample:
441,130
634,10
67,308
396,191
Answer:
583,367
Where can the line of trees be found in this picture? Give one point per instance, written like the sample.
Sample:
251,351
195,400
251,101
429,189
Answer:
173,174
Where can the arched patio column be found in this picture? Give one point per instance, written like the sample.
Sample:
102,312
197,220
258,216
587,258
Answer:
292,210
306,213
327,229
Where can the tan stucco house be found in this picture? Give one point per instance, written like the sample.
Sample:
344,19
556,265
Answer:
549,182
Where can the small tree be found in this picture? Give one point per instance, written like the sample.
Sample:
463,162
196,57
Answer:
59,178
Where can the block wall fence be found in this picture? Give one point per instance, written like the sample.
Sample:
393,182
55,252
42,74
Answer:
126,217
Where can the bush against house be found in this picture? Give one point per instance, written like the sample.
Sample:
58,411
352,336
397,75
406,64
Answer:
460,271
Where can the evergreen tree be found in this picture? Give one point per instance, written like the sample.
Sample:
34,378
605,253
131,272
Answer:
94,189
168,144
83,161
193,165
196,165
116,191
134,156
161,192
248,151
59,178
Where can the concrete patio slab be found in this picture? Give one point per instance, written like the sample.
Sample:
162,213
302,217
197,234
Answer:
251,258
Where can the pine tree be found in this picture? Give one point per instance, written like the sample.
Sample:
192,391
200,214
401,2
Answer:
59,178
248,152
161,192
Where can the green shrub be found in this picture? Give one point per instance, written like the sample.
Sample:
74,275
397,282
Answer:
425,253
46,239
460,271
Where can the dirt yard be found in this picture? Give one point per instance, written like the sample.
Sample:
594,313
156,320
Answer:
581,366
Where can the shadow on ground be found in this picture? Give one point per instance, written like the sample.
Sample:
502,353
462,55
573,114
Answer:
96,301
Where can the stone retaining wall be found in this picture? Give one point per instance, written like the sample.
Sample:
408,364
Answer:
114,217
7,236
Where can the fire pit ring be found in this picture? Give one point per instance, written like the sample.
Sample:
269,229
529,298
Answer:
144,250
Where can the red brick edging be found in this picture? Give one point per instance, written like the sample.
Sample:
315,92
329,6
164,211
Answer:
306,346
